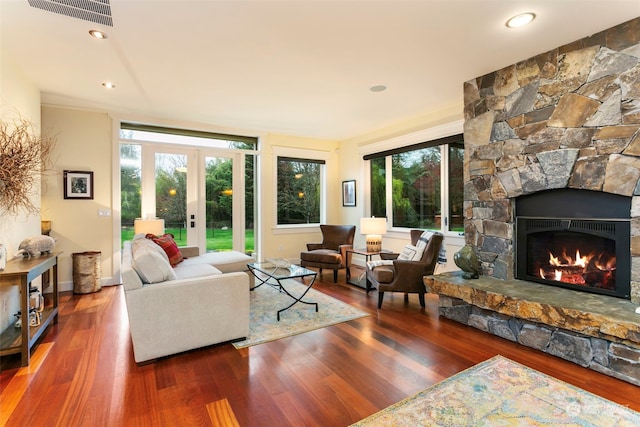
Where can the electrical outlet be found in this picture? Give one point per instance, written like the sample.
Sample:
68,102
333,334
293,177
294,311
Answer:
5,305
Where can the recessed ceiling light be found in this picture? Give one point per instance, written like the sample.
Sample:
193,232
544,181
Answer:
98,34
378,88
109,85
521,20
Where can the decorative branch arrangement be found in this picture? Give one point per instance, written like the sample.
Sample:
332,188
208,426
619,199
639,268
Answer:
24,156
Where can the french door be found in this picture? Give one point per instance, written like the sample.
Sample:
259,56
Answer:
200,193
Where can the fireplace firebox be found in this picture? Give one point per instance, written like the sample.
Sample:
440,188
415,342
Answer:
577,239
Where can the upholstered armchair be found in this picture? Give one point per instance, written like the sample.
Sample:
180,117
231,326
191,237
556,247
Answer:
405,273
331,254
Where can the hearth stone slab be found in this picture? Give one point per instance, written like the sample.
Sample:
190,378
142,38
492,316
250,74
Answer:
595,331
595,315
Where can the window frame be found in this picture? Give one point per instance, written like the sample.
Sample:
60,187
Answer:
302,154
400,143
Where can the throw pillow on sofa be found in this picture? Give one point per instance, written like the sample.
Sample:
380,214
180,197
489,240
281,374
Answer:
168,244
140,240
150,262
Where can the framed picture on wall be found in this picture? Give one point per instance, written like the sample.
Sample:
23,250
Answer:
349,193
78,185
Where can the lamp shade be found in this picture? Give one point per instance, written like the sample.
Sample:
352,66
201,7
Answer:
373,225
149,226
374,228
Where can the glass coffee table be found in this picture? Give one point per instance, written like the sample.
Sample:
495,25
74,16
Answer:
270,274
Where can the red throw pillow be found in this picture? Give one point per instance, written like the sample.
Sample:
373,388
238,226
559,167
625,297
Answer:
169,246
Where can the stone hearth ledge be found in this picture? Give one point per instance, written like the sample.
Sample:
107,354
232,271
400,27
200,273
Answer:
599,316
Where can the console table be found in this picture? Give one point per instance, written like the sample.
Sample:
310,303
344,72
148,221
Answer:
21,272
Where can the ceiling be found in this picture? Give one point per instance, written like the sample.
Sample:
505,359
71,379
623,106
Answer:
298,67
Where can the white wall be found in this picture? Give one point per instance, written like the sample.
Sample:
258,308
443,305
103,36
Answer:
19,98
83,144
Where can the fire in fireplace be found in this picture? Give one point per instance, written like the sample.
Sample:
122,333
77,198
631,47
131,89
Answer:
576,239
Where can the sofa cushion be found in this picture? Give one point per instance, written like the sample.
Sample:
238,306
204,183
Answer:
151,266
169,246
130,279
139,241
196,270
226,262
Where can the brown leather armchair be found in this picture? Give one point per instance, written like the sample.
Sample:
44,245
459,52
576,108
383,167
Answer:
331,254
406,276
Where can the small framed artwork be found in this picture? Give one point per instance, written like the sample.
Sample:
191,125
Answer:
78,185
349,193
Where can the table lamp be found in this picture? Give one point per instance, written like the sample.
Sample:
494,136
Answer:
374,228
153,226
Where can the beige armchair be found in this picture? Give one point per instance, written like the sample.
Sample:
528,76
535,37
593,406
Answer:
403,275
331,254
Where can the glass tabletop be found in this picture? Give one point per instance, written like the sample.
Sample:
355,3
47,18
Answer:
276,272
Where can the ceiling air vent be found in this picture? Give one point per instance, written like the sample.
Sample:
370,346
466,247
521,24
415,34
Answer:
98,11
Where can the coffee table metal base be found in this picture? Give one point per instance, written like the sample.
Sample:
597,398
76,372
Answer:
263,272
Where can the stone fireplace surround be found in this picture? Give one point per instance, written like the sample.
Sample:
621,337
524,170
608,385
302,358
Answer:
567,118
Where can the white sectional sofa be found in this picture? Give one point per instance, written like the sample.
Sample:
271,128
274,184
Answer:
204,300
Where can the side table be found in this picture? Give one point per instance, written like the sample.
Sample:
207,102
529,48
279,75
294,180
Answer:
21,272
368,256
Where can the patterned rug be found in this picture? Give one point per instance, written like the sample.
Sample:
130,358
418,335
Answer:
266,301
500,392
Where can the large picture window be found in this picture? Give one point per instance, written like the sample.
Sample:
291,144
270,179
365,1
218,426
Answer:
420,185
299,190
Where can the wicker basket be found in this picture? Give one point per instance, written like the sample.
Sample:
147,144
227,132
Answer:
86,272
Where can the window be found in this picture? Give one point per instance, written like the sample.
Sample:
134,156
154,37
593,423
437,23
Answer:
299,190
378,185
456,185
130,186
193,138
413,183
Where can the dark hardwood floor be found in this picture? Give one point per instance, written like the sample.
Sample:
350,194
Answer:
83,374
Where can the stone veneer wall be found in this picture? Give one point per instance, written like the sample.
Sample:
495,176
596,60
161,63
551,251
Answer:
568,118
612,358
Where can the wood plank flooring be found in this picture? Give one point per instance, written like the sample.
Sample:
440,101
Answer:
83,374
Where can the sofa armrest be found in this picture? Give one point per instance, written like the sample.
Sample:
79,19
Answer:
180,315
314,246
189,251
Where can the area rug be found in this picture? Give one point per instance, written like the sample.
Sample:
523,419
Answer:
266,301
500,392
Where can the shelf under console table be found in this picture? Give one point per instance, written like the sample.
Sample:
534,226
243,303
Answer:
21,272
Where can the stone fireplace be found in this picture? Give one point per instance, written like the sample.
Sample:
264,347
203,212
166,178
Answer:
568,118
564,122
